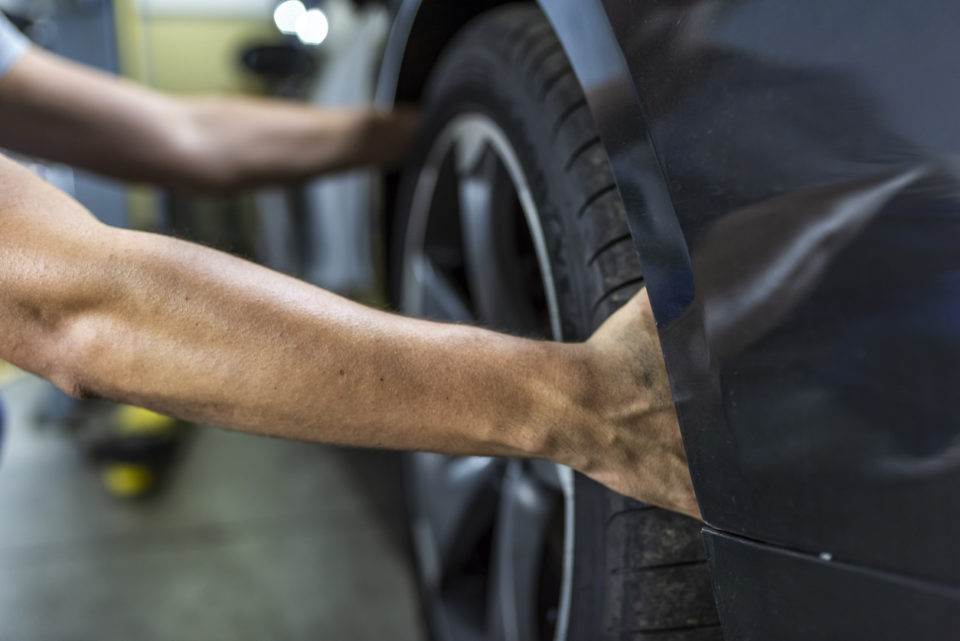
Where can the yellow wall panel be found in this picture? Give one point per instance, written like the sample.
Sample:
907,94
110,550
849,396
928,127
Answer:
188,53
198,55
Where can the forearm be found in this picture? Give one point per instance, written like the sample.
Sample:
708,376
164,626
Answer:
205,336
202,335
66,112
253,141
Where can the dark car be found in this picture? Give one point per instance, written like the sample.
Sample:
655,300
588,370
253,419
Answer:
782,178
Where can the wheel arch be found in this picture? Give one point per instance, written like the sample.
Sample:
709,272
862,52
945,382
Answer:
420,31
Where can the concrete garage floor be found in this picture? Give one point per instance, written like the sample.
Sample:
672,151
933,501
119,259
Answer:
253,538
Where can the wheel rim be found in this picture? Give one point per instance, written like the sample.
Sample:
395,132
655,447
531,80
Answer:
494,537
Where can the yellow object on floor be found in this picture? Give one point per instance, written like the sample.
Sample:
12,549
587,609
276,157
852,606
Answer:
127,480
136,420
137,477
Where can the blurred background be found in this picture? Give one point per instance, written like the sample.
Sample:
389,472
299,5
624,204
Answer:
120,524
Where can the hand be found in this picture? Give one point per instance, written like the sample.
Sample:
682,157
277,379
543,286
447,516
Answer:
639,451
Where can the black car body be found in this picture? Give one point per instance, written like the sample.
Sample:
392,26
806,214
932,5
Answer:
788,172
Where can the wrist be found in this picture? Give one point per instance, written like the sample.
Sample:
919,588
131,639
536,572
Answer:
388,136
564,425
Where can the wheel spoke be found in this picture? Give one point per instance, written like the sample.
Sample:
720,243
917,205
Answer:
457,503
431,294
546,473
487,204
526,509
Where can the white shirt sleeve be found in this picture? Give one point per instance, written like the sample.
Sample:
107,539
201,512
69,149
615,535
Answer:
13,44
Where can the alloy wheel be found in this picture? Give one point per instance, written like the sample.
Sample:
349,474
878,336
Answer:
494,537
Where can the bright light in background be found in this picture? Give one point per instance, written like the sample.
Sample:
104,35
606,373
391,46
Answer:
288,14
312,27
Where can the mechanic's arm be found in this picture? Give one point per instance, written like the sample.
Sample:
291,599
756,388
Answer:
56,109
199,334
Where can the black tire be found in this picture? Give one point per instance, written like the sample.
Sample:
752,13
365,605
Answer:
638,572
